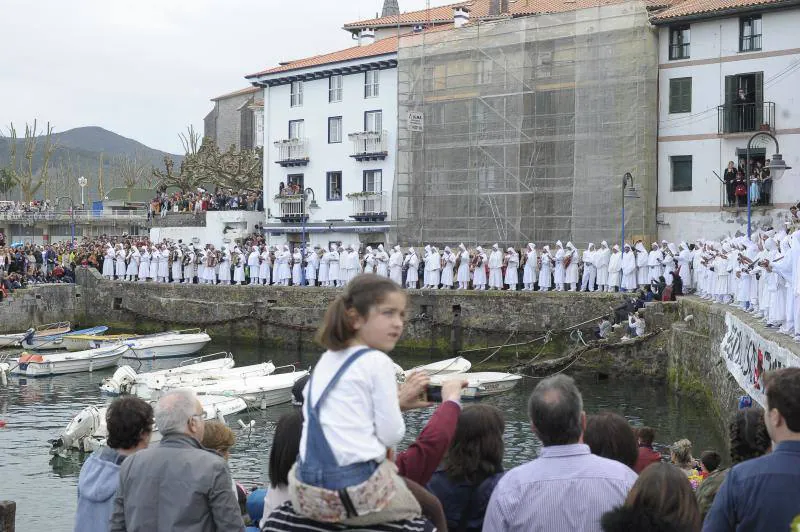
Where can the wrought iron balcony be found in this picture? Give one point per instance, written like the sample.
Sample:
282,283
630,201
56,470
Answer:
746,117
292,152
369,145
291,208
368,206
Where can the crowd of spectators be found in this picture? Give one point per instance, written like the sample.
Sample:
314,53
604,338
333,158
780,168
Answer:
25,209
737,185
221,199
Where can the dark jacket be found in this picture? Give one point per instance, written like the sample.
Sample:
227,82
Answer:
759,494
626,519
176,486
458,497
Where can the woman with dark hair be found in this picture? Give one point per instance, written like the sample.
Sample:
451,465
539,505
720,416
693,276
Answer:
282,456
472,467
749,439
661,500
611,436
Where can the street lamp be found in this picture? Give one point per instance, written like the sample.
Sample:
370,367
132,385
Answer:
777,166
71,217
313,205
82,182
628,191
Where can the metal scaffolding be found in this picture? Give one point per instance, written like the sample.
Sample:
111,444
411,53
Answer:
529,125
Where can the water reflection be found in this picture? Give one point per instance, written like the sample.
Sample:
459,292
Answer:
36,410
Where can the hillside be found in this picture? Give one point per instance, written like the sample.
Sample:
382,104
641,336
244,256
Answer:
78,153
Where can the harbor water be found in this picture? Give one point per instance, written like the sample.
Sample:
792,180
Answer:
44,486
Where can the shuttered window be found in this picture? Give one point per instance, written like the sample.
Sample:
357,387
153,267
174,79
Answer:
680,95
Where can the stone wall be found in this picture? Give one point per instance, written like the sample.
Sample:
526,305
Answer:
39,305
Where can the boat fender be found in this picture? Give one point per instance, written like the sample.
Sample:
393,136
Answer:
2,423
27,357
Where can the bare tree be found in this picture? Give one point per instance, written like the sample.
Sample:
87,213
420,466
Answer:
8,181
237,170
101,191
190,175
133,173
30,180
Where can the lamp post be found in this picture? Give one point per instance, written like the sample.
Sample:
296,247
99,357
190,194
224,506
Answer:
777,166
71,218
82,182
313,205
628,191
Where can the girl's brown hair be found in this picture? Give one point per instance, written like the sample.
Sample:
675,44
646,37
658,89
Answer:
663,491
361,294
218,437
477,449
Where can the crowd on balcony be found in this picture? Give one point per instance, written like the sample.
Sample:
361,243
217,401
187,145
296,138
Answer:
737,188
26,208
290,190
221,199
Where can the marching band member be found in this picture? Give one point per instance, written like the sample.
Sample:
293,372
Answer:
614,269
463,263
108,262
545,270
369,261
144,264
436,268
448,263
628,268
642,270
495,268
559,274
571,267
238,265
177,264
601,260
412,274
285,266
324,265
163,264
121,266
254,264
189,265
654,259
333,266
297,266
589,269
312,263
478,266
265,266
225,266
133,264
382,262
396,265
512,269
530,271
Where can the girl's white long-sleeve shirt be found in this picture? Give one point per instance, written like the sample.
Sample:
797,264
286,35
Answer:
361,416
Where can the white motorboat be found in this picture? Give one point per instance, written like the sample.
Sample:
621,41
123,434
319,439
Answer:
450,366
36,365
481,384
126,377
167,345
7,340
42,342
259,391
79,342
87,431
193,380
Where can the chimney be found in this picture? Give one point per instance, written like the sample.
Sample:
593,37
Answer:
498,7
366,37
460,16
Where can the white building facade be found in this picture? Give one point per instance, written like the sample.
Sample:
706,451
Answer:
723,77
330,127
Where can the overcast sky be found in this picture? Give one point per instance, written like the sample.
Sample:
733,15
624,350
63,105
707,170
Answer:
147,68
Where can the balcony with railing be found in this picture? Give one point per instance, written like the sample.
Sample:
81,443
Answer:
746,117
369,206
292,152
369,145
291,208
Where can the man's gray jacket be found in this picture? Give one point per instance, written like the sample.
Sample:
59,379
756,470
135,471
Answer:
175,486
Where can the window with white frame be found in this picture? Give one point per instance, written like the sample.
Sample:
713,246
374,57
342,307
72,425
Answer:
371,83
334,186
296,129
334,129
296,91
373,121
373,180
335,88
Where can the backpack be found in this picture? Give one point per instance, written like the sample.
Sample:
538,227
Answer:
741,190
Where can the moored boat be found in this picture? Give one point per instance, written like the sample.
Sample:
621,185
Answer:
126,377
87,431
167,345
79,342
41,342
38,365
480,384
261,391
149,387
7,340
450,366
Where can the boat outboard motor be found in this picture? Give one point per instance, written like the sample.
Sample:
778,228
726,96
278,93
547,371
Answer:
89,425
120,383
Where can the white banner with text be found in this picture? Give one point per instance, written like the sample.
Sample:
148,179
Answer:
749,356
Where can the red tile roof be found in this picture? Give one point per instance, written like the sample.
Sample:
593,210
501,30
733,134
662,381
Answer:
240,92
692,8
381,47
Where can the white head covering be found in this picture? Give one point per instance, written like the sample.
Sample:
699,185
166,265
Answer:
447,249
412,250
590,246
570,246
531,246
546,249
396,248
495,246
380,247
616,247
604,244
334,247
511,250
559,244
479,249
462,247
369,249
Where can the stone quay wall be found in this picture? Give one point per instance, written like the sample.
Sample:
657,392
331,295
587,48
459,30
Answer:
39,305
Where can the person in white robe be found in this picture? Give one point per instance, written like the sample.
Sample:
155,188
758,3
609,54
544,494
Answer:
265,266
189,265
144,264
448,264
411,261
560,270
312,264
479,275
495,268
225,266
155,260
213,262
642,271
628,269
436,268
795,292
353,262
121,266
163,264
333,266
463,267
722,275
297,266
601,260
369,260
177,265
239,262
685,259
324,264
201,261
546,262
253,264
285,266
670,262
529,272
614,269
108,262
396,266
512,269
382,262
589,269
132,257
654,259
344,265
426,272
571,266
784,269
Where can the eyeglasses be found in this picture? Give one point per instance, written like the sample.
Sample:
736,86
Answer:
202,417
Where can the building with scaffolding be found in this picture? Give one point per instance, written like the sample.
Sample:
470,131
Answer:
520,129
